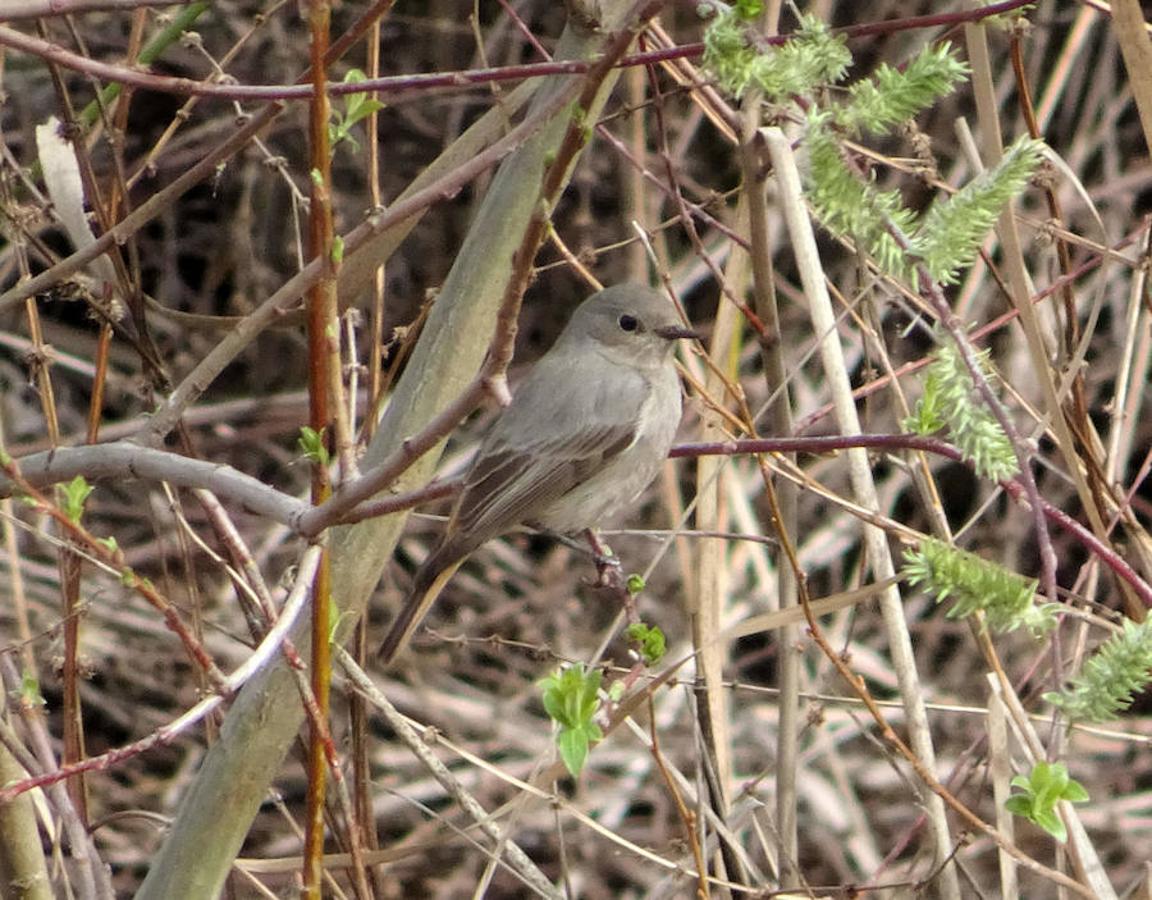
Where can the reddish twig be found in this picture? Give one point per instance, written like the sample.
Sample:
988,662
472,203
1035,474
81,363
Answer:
323,367
400,84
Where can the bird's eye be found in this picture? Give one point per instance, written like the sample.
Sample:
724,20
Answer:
629,323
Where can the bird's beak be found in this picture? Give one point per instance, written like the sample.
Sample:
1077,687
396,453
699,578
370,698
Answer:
675,333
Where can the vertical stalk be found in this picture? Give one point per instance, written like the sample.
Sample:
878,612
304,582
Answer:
323,358
864,491
780,422
753,163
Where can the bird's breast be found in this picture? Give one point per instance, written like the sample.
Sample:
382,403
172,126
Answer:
627,474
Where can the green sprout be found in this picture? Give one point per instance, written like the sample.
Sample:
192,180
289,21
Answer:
1041,790
73,496
571,698
357,107
313,444
649,641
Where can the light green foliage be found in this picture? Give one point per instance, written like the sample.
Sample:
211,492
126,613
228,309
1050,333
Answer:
571,697
950,235
649,641
950,403
845,201
977,585
1045,786
847,204
635,584
891,96
1119,668
811,58
312,444
73,496
356,108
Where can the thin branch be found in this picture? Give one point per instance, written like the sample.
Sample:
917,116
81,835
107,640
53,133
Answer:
113,558
124,459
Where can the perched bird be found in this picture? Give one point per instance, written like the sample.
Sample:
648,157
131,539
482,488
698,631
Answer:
586,432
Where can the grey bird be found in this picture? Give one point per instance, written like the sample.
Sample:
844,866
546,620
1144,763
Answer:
586,432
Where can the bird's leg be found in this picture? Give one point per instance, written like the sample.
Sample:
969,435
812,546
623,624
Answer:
610,574
607,562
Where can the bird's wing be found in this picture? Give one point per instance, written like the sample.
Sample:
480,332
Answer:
546,444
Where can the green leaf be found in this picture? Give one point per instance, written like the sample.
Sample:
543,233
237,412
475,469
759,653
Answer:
573,747
1075,792
1019,804
571,695
551,698
1050,821
73,497
358,106
635,584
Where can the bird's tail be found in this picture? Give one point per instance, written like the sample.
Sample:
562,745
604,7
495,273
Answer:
426,587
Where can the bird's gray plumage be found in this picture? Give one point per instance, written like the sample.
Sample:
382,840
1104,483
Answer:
586,432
